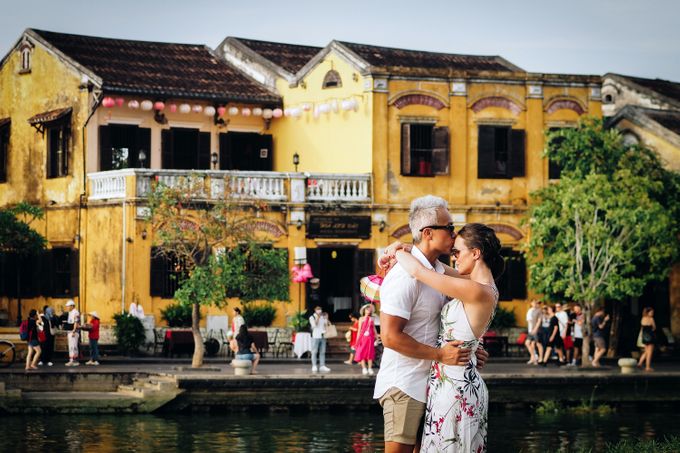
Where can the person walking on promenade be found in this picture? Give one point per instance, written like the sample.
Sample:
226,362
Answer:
33,355
236,323
318,322
367,334
648,327
577,314
49,326
73,333
599,323
410,315
563,322
533,322
354,328
554,339
244,347
93,335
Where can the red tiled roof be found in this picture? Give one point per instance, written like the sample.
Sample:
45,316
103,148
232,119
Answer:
416,59
159,69
291,57
49,116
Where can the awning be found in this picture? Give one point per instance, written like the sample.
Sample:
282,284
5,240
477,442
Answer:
50,116
4,121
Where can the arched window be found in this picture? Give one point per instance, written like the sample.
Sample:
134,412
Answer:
26,50
608,99
332,79
630,138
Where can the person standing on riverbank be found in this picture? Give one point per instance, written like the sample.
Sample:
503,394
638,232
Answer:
47,346
648,332
33,355
354,328
73,335
577,314
599,323
365,349
93,336
533,323
318,322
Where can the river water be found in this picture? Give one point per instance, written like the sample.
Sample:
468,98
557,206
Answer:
509,431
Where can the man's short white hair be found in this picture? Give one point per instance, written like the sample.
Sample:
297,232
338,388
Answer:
424,212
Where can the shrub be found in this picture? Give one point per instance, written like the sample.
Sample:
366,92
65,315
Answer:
259,315
177,315
299,321
129,333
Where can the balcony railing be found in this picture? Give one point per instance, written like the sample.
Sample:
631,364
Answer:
243,185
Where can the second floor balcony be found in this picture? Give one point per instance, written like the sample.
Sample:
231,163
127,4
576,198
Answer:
274,187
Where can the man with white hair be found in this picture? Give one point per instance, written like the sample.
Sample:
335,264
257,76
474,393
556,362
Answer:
410,317
73,335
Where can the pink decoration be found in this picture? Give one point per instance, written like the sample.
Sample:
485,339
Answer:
197,108
173,108
307,271
245,111
108,102
120,102
158,105
221,110
134,105
277,113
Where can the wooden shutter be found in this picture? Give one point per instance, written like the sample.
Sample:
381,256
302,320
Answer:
516,157
105,156
203,151
166,149
74,263
265,163
440,150
4,148
518,276
157,274
143,143
225,152
486,152
406,149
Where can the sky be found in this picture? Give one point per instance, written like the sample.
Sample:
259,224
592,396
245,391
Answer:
632,37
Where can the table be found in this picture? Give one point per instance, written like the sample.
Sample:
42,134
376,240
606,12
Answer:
260,339
302,343
178,342
497,346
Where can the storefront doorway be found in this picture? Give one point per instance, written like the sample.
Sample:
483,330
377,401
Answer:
339,269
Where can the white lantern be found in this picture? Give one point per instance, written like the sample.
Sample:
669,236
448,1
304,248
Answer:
197,108
286,112
306,107
146,105
334,106
267,113
324,108
233,111
316,112
277,113
346,104
246,111
296,112
209,111
184,108
355,105
257,111
134,105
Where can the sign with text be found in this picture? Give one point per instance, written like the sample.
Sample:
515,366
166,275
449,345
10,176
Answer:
336,226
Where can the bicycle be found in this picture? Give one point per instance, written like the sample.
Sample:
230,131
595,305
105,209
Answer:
7,353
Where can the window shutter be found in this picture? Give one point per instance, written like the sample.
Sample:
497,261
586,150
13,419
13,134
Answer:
265,163
440,151
166,149
225,152
406,149
203,151
74,256
516,159
66,146
486,152
4,148
143,144
157,273
105,156
47,280
518,276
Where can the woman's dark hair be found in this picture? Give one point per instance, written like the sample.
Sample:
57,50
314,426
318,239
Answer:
646,310
45,308
355,315
32,313
242,331
237,310
480,236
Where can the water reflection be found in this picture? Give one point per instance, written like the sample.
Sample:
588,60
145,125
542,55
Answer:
316,432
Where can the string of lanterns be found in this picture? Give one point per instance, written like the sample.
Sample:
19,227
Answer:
324,107
185,108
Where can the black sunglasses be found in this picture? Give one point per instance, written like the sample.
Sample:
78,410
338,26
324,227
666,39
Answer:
448,227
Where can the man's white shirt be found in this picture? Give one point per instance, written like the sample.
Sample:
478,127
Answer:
403,296
562,320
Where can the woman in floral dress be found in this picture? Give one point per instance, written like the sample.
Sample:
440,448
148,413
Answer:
457,398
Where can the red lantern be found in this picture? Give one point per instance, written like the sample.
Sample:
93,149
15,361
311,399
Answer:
120,101
159,105
307,272
221,110
173,108
108,102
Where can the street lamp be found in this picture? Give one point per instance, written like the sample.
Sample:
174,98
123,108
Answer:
214,158
296,160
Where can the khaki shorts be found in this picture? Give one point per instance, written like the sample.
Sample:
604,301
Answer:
403,416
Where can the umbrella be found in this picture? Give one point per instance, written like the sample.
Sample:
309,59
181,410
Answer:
370,287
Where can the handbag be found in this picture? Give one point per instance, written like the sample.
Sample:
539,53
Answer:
639,342
348,336
41,335
331,331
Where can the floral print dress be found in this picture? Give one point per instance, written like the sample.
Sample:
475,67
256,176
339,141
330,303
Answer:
456,413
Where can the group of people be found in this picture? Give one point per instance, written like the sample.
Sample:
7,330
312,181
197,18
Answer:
41,329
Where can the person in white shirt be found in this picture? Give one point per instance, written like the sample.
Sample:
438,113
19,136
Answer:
410,317
73,335
533,323
318,322
236,323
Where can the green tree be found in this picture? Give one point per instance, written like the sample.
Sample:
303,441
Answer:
608,226
19,239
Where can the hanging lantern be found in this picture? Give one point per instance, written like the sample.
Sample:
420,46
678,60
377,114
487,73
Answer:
296,112
221,110
134,105
146,105
307,271
184,108
316,112
267,113
197,108
257,111
355,105
209,110
246,111
233,111
286,112
324,108
108,102
346,104
159,105
277,113
173,108
120,102
334,106
306,107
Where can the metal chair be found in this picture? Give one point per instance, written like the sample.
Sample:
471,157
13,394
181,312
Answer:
158,339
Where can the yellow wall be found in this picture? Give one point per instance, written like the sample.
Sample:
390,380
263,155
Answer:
669,153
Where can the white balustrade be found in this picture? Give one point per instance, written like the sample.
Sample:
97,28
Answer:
107,185
338,187
258,185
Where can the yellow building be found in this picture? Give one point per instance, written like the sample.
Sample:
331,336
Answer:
336,141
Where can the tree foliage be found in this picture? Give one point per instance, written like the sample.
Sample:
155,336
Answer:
16,234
